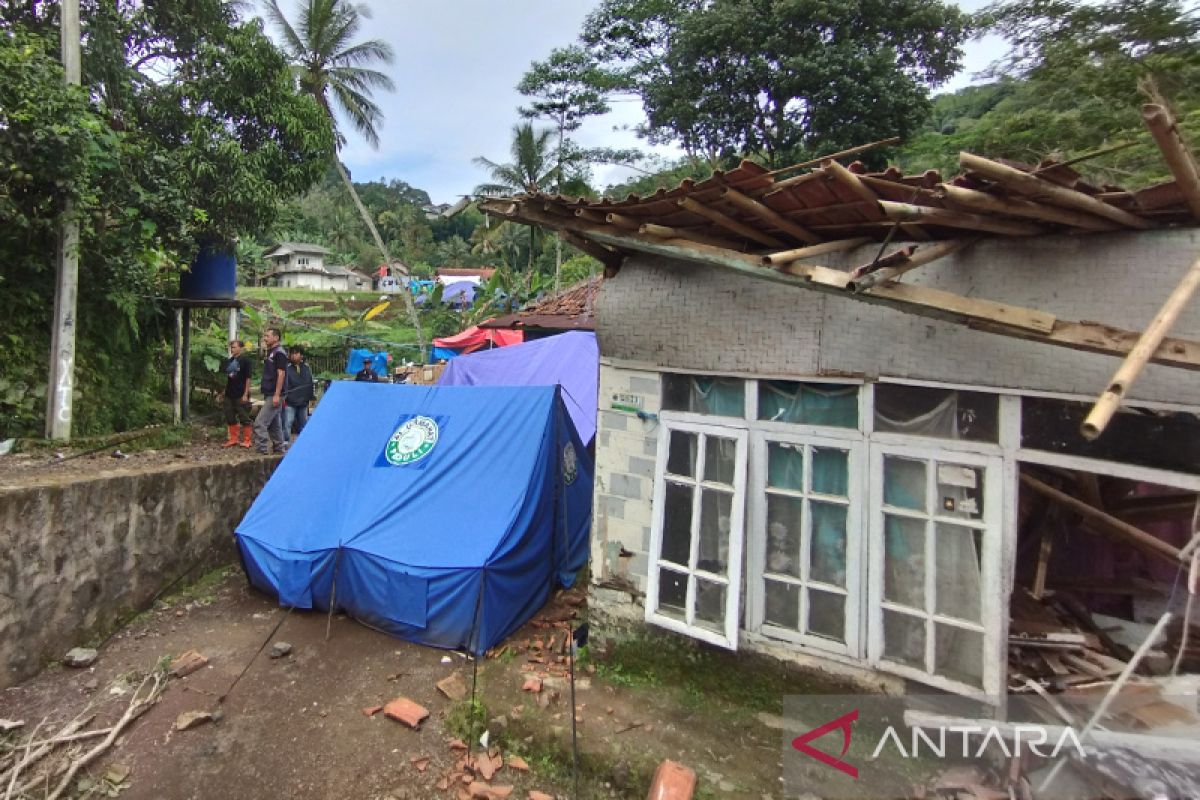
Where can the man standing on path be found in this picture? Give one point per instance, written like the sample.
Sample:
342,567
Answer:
268,429
299,393
237,394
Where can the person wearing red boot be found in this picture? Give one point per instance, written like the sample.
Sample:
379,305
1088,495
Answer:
238,371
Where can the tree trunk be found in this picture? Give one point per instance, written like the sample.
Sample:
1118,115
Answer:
407,293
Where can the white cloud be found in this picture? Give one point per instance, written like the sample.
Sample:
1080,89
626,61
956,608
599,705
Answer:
456,67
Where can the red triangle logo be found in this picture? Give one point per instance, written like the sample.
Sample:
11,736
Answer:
842,723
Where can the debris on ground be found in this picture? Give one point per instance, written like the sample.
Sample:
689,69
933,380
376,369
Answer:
280,649
517,763
371,711
192,719
117,774
7,725
80,657
188,663
532,685
406,712
672,781
453,687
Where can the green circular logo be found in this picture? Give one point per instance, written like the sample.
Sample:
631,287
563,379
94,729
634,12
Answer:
412,441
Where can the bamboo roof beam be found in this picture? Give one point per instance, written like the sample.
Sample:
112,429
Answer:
1166,135
622,221
783,257
610,258
1110,400
982,315
588,215
855,186
971,200
667,232
770,215
853,151
920,258
728,223
906,212
1046,191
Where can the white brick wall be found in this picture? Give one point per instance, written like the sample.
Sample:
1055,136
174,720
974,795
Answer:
690,316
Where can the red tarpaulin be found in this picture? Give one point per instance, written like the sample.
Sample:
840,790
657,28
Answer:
476,338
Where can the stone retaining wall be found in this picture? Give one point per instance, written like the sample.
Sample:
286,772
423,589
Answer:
77,556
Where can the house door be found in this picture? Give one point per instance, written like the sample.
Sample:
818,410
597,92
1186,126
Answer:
934,595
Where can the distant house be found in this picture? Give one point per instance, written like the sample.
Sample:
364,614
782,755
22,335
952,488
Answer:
298,265
475,275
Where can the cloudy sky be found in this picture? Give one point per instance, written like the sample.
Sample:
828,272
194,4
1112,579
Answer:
457,63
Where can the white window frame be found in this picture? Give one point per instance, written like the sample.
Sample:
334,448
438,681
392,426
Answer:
737,530
853,442
993,606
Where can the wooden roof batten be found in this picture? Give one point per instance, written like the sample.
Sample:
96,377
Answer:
744,220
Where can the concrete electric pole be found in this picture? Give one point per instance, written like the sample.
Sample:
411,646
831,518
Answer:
61,385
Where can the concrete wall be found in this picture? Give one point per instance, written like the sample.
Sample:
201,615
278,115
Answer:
77,556
689,316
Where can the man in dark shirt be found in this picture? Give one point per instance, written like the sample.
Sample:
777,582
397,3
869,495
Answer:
237,394
268,427
367,373
299,393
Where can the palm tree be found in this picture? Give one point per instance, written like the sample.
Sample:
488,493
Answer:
335,70
533,168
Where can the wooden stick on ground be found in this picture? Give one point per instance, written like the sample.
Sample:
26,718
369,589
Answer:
1102,412
1175,153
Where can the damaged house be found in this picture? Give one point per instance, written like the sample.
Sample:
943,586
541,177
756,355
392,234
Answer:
840,416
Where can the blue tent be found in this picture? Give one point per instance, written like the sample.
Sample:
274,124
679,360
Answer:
360,358
444,515
571,360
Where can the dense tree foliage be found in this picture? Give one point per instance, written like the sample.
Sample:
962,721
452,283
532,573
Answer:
188,126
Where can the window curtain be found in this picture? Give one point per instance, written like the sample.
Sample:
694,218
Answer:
835,405
720,396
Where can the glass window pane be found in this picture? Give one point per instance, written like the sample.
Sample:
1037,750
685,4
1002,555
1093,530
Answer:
938,413
828,556
703,394
960,491
830,471
904,561
710,605
681,454
904,639
785,466
827,614
904,483
785,517
677,524
958,575
958,654
783,604
672,593
720,457
716,512
832,404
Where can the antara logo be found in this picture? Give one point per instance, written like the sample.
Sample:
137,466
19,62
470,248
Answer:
842,723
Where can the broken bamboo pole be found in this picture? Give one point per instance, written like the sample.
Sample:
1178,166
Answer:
925,215
851,151
1108,403
727,222
1175,152
770,215
667,232
972,200
1052,193
611,259
851,183
785,256
917,259
622,221
1134,536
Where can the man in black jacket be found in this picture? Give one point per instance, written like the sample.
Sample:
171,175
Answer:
299,393
268,428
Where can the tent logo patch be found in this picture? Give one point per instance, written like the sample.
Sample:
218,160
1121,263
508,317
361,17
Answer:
570,464
411,442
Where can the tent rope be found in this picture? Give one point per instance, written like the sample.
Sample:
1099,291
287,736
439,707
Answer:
472,646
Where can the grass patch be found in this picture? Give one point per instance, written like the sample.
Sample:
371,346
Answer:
702,674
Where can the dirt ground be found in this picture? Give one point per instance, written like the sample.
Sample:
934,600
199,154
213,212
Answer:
294,727
70,463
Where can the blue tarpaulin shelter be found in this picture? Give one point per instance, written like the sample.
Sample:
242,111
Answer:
359,358
570,360
447,514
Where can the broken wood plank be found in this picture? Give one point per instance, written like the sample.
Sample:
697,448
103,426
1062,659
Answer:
727,222
1046,191
1108,403
1039,576
1179,160
924,215
768,214
775,259
972,200
1121,530
917,259
611,259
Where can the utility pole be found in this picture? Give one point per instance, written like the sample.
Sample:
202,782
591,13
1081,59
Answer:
61,386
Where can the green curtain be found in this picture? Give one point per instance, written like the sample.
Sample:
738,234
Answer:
725,397
831,404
